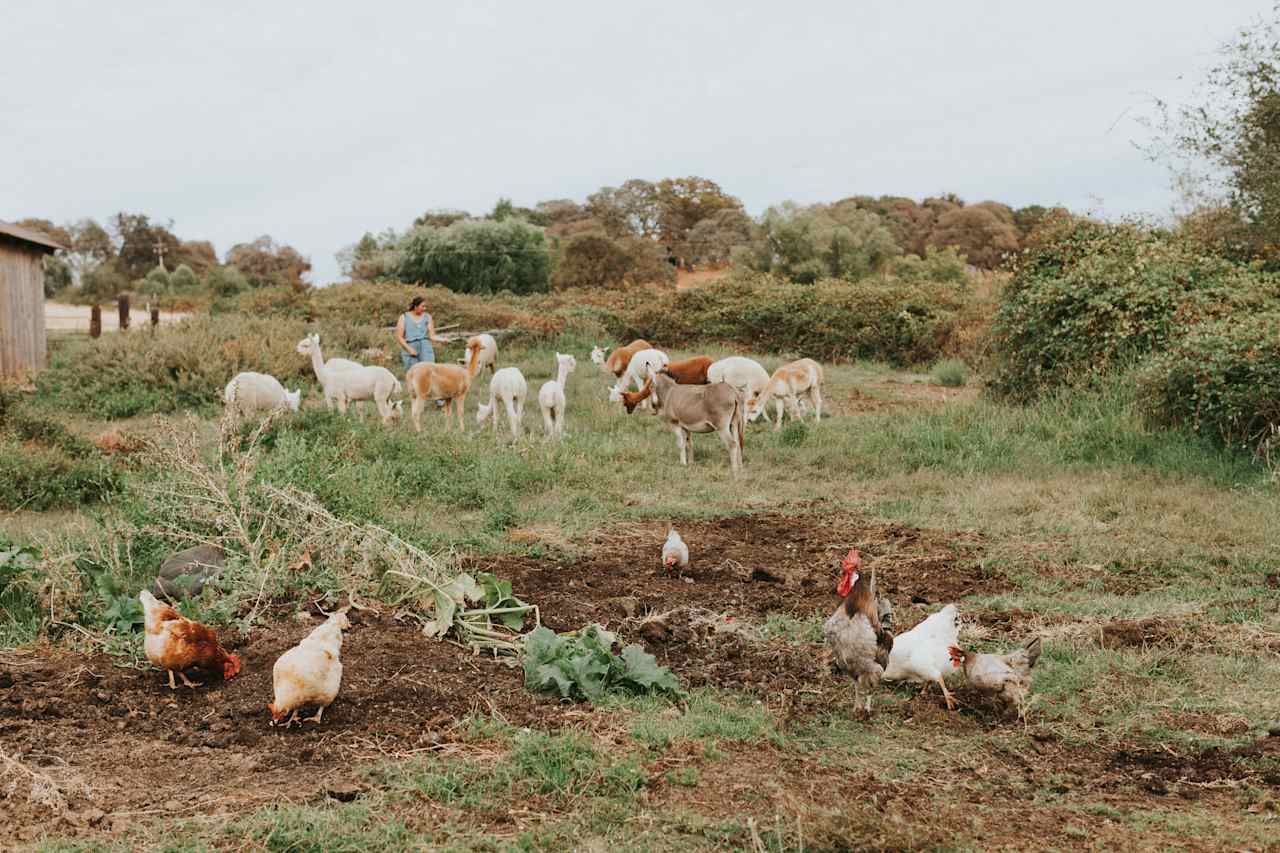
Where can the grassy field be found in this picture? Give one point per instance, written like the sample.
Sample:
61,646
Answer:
1148,561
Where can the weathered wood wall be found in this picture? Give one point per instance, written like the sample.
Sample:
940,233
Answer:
22,336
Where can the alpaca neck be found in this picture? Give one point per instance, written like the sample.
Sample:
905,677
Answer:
562,375
317,363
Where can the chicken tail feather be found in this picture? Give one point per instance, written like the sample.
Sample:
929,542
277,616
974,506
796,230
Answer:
1032,649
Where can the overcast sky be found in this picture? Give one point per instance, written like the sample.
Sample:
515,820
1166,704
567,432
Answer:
316,125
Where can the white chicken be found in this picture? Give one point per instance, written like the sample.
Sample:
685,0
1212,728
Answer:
675,554
924,653
310,673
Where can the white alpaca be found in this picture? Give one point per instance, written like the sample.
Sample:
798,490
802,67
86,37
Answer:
507,383
488,356
745,374
551,396
252,392
642,365
347,386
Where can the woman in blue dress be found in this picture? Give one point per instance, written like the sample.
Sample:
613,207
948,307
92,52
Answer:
415,333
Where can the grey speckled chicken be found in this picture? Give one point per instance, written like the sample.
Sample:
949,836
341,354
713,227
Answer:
859,641
1007,676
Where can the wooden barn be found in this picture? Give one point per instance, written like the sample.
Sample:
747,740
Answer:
22,339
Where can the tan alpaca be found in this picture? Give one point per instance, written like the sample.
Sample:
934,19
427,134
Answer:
448,382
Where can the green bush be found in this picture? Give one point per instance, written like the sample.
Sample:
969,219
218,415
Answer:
951,373
157,282
183,279
224,282
57,275
478,257
1221,380
1088,299
37,478
187,365
830,320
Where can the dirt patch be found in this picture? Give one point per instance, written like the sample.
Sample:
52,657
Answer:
1157,770
1141,633
748,565
121,747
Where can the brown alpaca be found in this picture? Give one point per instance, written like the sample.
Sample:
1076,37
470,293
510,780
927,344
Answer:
691,371
448,382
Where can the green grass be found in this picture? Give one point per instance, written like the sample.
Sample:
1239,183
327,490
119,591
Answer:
1076,505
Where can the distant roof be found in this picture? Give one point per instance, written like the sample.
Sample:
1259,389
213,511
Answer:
27,235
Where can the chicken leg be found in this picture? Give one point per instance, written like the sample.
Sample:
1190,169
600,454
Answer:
188,682
316,718
946,694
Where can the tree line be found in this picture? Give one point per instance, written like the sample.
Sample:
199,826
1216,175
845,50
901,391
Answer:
131,252
642,231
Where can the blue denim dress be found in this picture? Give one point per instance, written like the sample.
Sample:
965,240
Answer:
415,335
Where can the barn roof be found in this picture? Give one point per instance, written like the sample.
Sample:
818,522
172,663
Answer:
27,235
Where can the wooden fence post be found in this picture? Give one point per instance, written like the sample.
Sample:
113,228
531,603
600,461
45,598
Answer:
122,304
95,321
155,318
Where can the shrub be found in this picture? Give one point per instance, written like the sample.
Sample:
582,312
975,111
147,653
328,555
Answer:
595,260
830,320
1088,299
157,282
805,244
187,365
183,279
103,282
37,478
951,373
1220,380
478,257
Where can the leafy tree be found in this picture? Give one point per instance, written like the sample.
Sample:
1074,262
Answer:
57,275
90,246
47,228
1028,218
630,210
137,238
477,257
713,239
558,211
976,232
591,260
809,243
265,262
504,209
198,255
684,202
440,218
103,282
1223,146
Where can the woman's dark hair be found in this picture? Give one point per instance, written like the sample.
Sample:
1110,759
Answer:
417,300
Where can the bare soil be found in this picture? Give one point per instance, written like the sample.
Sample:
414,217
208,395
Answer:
122,747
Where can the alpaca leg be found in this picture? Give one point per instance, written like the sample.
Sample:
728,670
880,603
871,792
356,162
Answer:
510,404
681,442
548,421
815,396
415,410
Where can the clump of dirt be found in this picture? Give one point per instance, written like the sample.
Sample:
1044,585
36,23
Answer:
1156,769
1141,633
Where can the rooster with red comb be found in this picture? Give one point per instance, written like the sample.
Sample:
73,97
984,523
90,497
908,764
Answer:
857,632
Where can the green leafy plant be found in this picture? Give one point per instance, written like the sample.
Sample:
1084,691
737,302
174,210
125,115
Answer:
582,665
117,610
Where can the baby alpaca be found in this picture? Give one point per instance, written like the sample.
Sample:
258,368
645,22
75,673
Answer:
507,383
551,396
